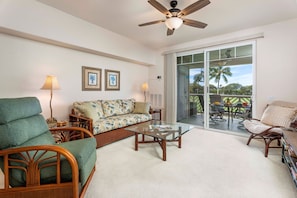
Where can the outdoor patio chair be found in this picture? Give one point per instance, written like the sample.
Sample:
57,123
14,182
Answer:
216,107
38,161
215,114
277,116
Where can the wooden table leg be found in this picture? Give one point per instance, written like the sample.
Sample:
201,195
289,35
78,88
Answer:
164,149
179,142
136,141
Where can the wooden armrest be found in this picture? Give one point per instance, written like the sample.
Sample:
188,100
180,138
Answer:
65,134
77,118
29,157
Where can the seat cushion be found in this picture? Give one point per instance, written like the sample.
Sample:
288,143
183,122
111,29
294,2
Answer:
115,122
257,127
83,150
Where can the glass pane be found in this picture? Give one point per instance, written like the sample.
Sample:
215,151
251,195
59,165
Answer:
187,59
244,51
199,57
214,55
178,60
227,53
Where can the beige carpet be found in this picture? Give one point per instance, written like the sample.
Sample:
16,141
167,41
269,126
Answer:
209,165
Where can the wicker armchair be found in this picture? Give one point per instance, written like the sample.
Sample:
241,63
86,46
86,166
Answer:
277,116
38,162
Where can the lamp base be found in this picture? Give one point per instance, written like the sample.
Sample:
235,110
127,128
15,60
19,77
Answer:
51,122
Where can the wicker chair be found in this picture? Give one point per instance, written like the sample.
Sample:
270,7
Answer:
277,116
38,162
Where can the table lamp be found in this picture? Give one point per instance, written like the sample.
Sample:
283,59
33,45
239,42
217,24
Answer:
144,88
51,83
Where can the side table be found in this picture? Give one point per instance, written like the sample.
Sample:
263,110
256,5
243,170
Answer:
156,113
289,152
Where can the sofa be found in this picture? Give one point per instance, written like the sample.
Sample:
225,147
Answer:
107,119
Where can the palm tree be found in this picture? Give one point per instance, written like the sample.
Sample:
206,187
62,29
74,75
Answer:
198,78
219,72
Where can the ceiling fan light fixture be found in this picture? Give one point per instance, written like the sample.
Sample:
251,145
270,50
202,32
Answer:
173,23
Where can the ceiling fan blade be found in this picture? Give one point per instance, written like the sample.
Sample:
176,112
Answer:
151,23
194,7
194,23
159,7
169,32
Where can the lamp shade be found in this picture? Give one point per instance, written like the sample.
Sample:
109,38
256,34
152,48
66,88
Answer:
173,23
50,83
144,87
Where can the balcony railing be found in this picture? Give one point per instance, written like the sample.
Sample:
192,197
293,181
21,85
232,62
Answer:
233,99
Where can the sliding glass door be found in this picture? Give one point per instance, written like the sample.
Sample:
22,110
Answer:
215,86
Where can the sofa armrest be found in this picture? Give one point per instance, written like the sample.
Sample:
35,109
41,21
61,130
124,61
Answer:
65,134
31,160
85,122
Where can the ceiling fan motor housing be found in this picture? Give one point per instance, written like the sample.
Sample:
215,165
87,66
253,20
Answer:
173,4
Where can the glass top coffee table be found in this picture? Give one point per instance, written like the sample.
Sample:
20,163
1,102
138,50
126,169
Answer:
161,132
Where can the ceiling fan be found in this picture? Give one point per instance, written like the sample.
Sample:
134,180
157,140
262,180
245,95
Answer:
175,17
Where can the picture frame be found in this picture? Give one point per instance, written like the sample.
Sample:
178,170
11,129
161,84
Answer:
91,78
112,80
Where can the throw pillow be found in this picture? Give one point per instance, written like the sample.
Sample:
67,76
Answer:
142,107
278,116
91,109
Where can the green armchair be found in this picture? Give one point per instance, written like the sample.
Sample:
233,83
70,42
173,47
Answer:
38,161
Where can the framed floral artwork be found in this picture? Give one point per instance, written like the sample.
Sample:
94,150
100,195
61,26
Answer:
91,79
112,80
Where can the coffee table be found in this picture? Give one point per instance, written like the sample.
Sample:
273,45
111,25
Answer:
161,132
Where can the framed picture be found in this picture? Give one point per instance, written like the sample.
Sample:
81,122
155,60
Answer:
91,79
112,80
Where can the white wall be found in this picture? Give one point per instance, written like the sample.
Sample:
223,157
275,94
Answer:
276,63
32,17
25,63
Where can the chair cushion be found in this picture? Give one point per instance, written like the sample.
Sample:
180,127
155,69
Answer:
257,127
83,150
278,116
16,133
17,108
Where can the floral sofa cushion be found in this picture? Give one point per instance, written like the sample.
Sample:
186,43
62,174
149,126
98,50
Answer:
112,107
115,122
128,105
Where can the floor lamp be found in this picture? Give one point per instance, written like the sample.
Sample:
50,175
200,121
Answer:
51,83
144,88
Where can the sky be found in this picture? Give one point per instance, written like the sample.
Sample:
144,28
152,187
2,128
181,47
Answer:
241,74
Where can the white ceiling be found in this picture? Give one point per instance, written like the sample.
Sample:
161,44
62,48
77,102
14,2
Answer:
222,16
